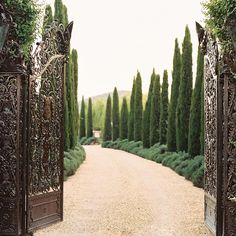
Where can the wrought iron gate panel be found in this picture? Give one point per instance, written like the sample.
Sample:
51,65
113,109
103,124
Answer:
211,132
11,127
229,175
46,130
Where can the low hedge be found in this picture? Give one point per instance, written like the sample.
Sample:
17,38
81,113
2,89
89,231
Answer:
191,168
72,160
89,141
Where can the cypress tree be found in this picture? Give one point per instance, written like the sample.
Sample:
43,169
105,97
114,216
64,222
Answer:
75,66
146,114
59,11
66,124
115,116
138,109
90,119
164,109
107,135
176,75
155,112
131,113
48,17
185,93
194,138
124,116
82,128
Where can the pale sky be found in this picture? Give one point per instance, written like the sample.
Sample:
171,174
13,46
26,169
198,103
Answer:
115,38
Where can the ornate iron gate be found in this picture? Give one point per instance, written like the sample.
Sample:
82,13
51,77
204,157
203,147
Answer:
46,130
220,136
32,131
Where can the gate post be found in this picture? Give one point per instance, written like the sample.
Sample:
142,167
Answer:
220,136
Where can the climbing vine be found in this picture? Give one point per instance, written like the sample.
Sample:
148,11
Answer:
218,14
26,14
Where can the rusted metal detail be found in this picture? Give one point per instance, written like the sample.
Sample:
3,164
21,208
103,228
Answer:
220,137
32,131
46,130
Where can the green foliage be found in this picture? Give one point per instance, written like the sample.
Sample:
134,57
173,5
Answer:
131,113
115,116
155,112
147,113
66,123
88,141
138,109
219,12
90,119
107,135
124,117
164,109
48,17
25,14
194,145
82,127
72,160
185,94
176,74
60,13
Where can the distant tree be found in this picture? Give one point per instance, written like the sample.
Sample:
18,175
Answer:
194,137
164,109
131,113
185,94
147,113
90,119
176,75
138,109
107,135
155,113
48,17
115,116
82,128
124,116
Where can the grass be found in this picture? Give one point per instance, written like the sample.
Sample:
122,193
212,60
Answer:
191,168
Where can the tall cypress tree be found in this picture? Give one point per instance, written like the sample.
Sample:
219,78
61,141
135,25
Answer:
75,85
146,114
82,128
124,116
138,109
155,112
107,135
48,17
194,145
131,113
90,119
185,94
115,116
59,11
164,109
176,75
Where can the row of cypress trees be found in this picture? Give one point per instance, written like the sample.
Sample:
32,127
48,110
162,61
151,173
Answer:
186,110
71,127
149,125
86,128
178,123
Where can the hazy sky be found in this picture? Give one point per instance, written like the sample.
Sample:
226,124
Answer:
115,38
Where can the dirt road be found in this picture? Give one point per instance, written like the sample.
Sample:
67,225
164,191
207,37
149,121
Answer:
116,193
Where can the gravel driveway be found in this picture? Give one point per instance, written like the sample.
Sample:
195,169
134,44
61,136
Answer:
117,193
